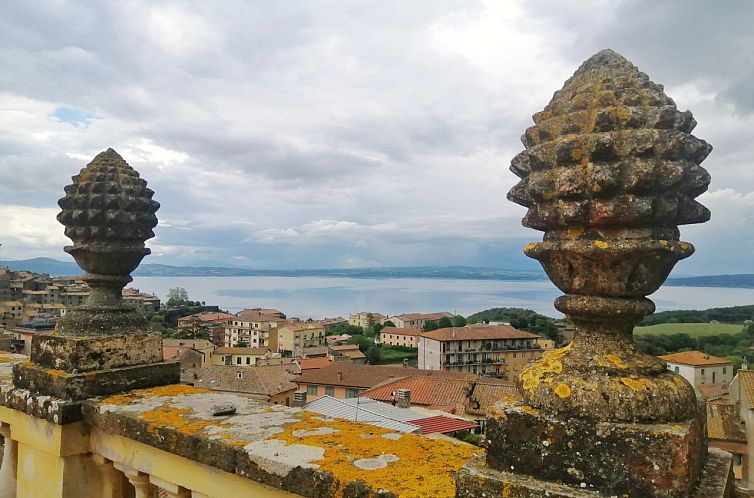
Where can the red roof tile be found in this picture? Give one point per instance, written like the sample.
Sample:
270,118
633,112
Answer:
478,332
442,425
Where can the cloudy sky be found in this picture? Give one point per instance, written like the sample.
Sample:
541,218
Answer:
346,134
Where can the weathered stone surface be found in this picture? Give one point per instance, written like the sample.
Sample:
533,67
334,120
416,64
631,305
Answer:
478,480
84,354
109,213
286,448
81,386
609,172
614,458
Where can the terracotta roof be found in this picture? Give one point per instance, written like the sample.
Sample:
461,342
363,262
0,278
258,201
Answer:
313,363
316,351
746,385
207,316
263,381
442,425
722,423
353,354
259,315
355,375
478,332
250,351
433,391
487,392
695,358
400,331
344,347
713,391
423,316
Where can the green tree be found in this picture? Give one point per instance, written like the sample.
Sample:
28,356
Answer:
459,321
388,323
430,325
444,323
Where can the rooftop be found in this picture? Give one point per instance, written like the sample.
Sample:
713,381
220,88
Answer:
695,358
424,316
354,375
401,331
478,332
723,424
263,381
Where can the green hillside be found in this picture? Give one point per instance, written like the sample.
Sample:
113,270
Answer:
692,329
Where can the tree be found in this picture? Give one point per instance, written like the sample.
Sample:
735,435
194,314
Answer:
444,323
430,325
178,296
459,321
388,323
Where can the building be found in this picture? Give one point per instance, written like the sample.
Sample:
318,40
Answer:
239,356
365,319
209,324
741,390
25,332
274,384
497,350
699,368
417,320
725,431
176,350
347,380
146,303
290,339
406,337
347,353
252,327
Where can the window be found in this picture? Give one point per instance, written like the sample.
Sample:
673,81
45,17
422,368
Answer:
311,389
248,360
329,390
725,370
677,369
238,360
702,371
352,393
239,375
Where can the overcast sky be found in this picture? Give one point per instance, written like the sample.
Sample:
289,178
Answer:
346,134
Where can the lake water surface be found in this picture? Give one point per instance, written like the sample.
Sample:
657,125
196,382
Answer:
320,297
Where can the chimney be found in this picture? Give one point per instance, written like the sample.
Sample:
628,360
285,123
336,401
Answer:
403,398
744,364
340,375
405,362
299,399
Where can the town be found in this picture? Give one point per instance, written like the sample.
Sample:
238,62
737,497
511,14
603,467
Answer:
434,373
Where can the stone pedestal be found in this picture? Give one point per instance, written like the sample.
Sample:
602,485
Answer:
662,459
66,370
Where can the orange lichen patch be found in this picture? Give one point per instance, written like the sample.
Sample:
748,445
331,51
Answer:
8,359
174,418
563,390
530,411
663,242
530,246
55,374
424,467
596,187
548,364
611,360
506,491
683,245
171,390
600,244
574,232
636,384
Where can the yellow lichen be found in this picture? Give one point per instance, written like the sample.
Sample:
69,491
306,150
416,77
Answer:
506,491
596,187
683,245
563,390
636,384
663,242
601,244
424,467
174,418
530,411
548,364
170,390
611,360
530,246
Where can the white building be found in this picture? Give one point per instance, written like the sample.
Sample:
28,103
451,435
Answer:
699,368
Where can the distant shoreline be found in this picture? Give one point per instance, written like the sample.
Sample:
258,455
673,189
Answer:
57,268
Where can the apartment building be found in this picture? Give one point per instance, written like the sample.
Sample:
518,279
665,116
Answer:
252,327
395,336
417,320
365,319
239,356
290,339
496,350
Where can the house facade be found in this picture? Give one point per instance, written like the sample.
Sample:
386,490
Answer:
496,350
407,337
417,320
699,368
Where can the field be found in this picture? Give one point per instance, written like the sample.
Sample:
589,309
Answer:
692,329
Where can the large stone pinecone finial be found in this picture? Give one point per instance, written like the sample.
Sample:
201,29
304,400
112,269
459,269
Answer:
108,213
609,172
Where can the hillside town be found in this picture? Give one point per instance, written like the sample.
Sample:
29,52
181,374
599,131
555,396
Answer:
440,373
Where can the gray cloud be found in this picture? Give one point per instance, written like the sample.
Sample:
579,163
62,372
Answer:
292,134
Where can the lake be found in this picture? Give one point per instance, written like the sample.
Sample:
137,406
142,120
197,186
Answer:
320,297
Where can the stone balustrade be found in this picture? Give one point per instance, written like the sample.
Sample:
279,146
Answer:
166,438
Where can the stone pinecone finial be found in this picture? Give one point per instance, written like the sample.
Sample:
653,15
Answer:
109,214
609,171
108,203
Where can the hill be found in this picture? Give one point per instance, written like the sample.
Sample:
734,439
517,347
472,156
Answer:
691,329
744,280
733,314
